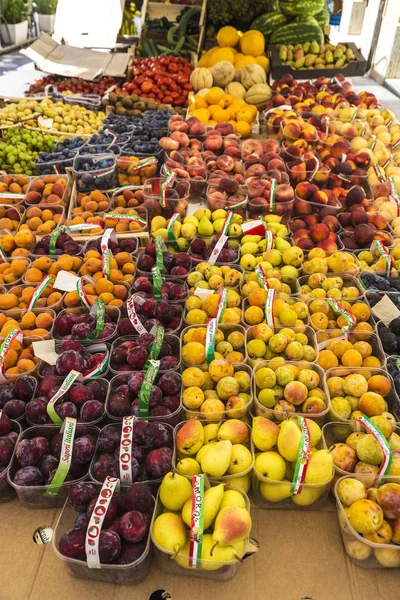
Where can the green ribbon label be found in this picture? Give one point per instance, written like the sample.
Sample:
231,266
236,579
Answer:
197,522
398,364
39,291
3,257
15,334
98,310
110,485
384,446
337,307
159,245
317,165
106,253
212,327
362,128
66,384
394,196
102,365
379,173
223,298
54,237
302,457
155,349
167,183
125,450
170,228
134,319
64,465
112,135
272,195
269,306
157,283
145,390
262,277
372,146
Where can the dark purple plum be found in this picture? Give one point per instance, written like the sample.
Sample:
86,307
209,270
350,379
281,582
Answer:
171,402
83,450
68,361
91,411
138,497
80,495
170,383
119,405
158,462
103,467
6,450
81,522
79,394
109,546
111,514
28,453
36,411
24,387
133,526
28,476
66,409
72,544
109,439
47,464
6,394
5,425
130,552
14,409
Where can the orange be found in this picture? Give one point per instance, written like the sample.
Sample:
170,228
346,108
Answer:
243,129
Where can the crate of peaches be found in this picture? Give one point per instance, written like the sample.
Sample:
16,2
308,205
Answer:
48,190
122,263
13,188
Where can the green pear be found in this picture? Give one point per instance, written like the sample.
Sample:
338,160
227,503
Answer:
202,212
188,466
232,498
281,244
232,525
220,213
320,467
308,495
169,532
241,459
203,450
212,500
394,442
215,556
254,239
234,430
315,432
174,491
190,438
264,433
289,440
211,432
216,460
271,465
205,228
275,492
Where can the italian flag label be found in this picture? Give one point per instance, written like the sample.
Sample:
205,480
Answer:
159,245
142,164
302,458
86,226
272,195
98,310
326,123
110,485
227,223
113,137
155,349
379,172
383,251
223,238
157,283
262,277
256,227
125,450
269,238
197,522
145,390
101,365
68,428
223,298
170,228
395,145
167,183
362,128
81,292
338,308
42,285
269,306
316,168
212,327
384,446
66,384
394,196
106,253
15,334
126,217
132,315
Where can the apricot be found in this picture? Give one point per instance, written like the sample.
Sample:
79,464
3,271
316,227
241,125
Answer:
129,268
8,301
44,321
122,258
10,359
25,239
120,292
65,262
372,404
25,365
104,286
39,332
43,263
377,383
28,320
352,358
18,267
72,299
34,223
93,265
319,321
116,275
47,215
327,359
363,348
33,275
361,312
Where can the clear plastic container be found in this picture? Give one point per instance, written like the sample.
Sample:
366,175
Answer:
131,574
177,203
290,300
284,209
11,216
57,211
171,339
336,315
18,314
7,492
187,324
236,202
348,281
33,496
34,252
237,282
361,551
364,336
235,413
95,244
217,571
58,348
232,243
168,276
313,496
76,209
112,311
17,196
127,174
118,199
58,165
154,484
97,178
296,175
347,234
275,415
391,398
122,379
290,281
53,178
311,141
78,304
26,344
226,329
125,226
19,279
306,207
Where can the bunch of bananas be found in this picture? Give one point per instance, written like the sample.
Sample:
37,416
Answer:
128,26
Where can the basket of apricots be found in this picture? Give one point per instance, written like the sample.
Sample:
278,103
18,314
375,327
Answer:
95,201
48,189
20,296
83,218
122,266
111,294
36,322
13,188
288,311
357,349
127,198
42,220
10,217
198,311
230,344
18,244
129,172
12,270
20,359
126,219
44,265
326,314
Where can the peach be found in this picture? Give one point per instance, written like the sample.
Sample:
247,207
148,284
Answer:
388,496
292,129
284,193
319,232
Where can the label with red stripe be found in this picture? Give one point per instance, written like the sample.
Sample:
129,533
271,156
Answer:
302,457
197,522
110,485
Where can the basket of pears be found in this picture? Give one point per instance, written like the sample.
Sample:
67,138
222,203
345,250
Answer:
291,469
200,529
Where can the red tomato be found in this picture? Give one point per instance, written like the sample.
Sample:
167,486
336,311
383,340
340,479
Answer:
167,99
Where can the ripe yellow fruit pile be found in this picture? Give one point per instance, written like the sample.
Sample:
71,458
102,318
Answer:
218,107
238,49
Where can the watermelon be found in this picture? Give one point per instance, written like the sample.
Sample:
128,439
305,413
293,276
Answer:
297,8
298,32
322,18
268,23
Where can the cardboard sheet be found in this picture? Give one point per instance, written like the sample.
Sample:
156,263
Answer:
301,556
70,61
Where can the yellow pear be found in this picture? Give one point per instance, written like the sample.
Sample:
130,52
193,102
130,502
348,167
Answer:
234,430
241,481
216,460
211,432
169,532
212,500
215,556
289,440
320,467
233,524
264,433
203,450
174,491
232,498
308,495
190,438
241,459
188,466
271,465
182,558
275,492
